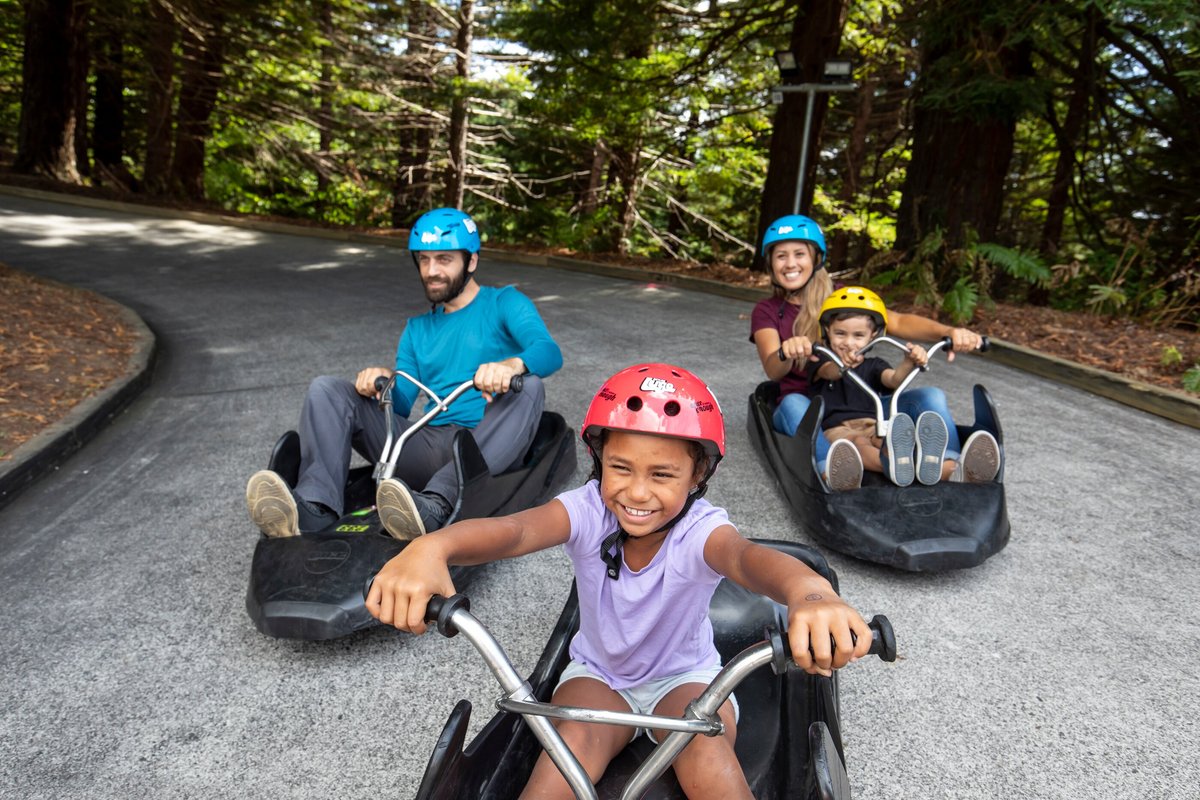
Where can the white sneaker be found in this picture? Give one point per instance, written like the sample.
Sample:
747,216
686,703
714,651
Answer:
980,459
844,466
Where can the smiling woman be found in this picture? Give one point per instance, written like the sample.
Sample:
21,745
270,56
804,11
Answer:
58,346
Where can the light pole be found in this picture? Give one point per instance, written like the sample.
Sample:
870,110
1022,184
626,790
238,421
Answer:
837,78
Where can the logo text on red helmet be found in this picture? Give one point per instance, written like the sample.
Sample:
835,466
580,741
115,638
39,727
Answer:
657,385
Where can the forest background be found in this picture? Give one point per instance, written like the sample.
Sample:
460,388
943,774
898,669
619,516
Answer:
1042,154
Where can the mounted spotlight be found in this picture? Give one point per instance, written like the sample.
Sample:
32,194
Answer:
840,71
786,61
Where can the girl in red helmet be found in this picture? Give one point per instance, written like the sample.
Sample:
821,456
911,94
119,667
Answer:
648,553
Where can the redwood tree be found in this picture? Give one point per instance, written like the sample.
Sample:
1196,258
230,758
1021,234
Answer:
816,37
53,89
975,83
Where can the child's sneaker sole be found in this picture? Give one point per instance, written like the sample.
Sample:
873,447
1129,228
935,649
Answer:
844,466
271,505
900,444
397,511
932,437
980,461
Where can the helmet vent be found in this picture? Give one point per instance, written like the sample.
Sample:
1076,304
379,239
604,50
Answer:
671,409
635,404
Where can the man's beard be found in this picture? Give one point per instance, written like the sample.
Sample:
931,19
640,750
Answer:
447,292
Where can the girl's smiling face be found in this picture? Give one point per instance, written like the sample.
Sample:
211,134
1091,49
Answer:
792,264
645,479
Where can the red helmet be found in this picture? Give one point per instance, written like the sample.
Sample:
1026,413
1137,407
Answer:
659,399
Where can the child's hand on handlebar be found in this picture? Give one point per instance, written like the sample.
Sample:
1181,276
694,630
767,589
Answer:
917,355
819,629
402,588
364,384
495,377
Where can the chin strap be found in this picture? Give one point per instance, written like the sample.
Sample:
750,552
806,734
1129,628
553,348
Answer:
610,548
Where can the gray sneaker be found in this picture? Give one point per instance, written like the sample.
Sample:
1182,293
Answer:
844,467
407,514
980,460
931,447
271,505
897,452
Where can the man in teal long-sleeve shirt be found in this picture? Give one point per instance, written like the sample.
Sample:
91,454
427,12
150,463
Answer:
472,332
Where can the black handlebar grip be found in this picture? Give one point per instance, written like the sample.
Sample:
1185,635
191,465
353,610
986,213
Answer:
440,609
883,643
985,344
380,384
516,383
946,340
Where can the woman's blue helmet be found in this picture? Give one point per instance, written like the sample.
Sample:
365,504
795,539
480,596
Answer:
444,229
794,227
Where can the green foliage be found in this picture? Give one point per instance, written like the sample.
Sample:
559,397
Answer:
12,49
960,302
1171,357
1018,264
1191,380
321,119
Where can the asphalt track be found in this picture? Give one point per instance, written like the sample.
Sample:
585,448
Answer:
1061,668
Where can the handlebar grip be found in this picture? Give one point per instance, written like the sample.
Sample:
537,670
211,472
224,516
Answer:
948,343
380,384
985,344
883,643
440,609
516,383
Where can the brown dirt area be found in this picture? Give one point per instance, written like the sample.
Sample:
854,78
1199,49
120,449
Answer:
59,344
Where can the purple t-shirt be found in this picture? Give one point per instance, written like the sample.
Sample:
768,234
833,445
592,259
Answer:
648,624
779,315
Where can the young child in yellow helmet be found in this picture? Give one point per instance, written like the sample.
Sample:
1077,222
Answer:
850,318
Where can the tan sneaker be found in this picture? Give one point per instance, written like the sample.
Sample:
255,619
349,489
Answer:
407,514
271,504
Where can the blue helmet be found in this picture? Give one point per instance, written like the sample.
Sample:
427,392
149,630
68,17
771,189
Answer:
444,229
794,227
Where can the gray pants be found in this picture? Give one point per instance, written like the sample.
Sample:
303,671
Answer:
335,418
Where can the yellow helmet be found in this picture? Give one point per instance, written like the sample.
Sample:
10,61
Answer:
854,298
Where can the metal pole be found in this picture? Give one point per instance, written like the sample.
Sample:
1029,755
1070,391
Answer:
811,89
808,115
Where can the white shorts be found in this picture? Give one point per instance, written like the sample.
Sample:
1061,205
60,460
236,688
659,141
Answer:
645,698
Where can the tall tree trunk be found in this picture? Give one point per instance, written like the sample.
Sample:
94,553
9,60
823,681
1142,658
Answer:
160,71
626,163
856,152
412,187
590,200
108,129
456,172
1083,87
325,109
816,37
203,61
960,155
51,89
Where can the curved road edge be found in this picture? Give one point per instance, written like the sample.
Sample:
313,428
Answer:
54,445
